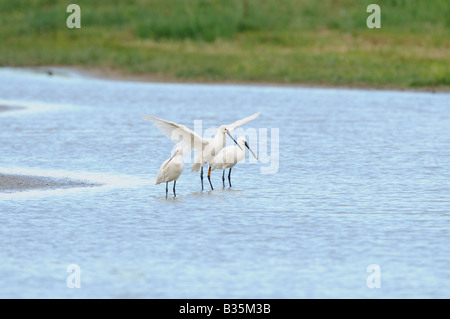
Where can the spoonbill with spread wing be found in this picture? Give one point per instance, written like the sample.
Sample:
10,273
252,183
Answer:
206,148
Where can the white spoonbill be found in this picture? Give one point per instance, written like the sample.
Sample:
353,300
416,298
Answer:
229,156
206,148
171,170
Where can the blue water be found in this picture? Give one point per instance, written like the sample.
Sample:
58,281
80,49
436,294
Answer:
362,177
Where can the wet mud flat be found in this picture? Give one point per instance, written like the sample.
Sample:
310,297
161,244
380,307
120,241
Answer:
17,183
4,108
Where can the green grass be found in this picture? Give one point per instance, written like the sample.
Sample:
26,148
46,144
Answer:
279,41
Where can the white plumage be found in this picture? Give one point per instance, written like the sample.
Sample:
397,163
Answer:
229,156
171,169
206,148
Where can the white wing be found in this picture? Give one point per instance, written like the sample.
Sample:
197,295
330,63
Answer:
241,122
161,173
179,133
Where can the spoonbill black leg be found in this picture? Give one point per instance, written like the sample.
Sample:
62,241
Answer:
201,176
174,195
223,178
229,177
209,178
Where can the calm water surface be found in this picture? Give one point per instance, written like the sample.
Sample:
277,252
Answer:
362,178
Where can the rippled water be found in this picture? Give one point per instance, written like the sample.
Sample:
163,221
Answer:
362,178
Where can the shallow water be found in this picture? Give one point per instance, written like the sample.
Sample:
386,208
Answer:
361,178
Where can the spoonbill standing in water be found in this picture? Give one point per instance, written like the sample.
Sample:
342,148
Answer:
171,170
206,148
229,156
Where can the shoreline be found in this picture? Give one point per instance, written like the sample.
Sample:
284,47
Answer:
5,108
10,183
117,75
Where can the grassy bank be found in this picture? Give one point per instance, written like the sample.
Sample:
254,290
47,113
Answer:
279,41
